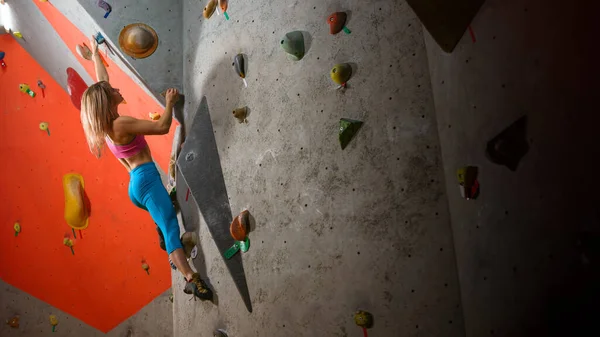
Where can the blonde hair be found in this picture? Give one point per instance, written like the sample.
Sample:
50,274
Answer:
97,115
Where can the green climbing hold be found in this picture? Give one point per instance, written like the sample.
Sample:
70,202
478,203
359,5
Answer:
245,245
233,250
348,128
293,44
341,73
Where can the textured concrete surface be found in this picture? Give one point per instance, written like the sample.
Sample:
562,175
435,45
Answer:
334,230
38,34
155,319
163,69
519,246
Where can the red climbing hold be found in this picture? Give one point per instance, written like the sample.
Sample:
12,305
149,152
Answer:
76,86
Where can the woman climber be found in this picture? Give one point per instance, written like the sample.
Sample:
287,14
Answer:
124,136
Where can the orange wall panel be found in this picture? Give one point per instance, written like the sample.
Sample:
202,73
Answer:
103,283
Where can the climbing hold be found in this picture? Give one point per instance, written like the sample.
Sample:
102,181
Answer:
293,44
240,114
341,73
508,147
239,226
337,22
467,181
13,322
42,86
18,34
219,333
76,203
138,40
2,63
348,128
67,241
232,251
53,322
75,87
24,88
223,5
245,245
240,68
154,116
104,5
171,298
146,267
84,52
238,62
17,228
364,320
99,38
209,9
189,240
44,127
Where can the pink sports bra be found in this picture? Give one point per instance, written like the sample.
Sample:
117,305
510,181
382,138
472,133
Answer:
128,150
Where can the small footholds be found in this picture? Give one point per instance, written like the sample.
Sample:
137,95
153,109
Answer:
363,319
154,116
13,322
340,74
348,128
17,228
241,114
24,88
67,241
53,322
146,267
337,22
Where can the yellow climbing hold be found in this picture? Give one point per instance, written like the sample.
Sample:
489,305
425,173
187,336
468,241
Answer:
18,34
154,116
17,228
76,210
146,267
53,322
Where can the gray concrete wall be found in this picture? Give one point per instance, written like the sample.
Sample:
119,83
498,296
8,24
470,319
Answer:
42,42
367,227
155,319
163,69
524,263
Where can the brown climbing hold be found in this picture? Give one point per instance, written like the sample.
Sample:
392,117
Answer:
138,40
239,226
209,9
336,22
240,114
13,322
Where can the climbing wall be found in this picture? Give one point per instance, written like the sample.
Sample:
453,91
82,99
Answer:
333,230
101,281
527,247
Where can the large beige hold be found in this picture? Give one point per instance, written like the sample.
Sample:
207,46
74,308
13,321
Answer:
138,40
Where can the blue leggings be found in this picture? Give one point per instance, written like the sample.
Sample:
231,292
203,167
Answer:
148,193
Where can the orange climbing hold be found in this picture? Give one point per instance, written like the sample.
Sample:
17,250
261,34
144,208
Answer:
76,204
239,226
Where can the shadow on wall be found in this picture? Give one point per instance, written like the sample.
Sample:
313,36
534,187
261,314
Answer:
200,166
